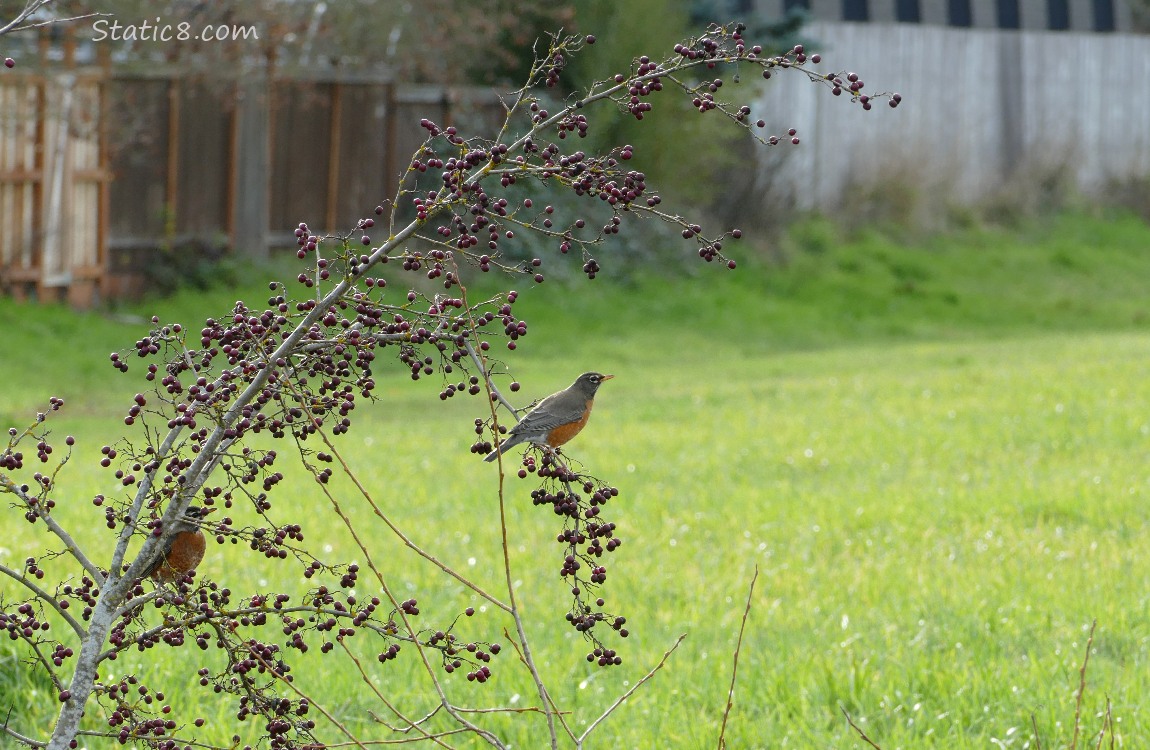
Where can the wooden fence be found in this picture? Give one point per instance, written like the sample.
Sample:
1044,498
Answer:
101,171
320,151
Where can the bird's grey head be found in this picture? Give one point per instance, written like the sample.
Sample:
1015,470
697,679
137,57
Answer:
192,517
589,382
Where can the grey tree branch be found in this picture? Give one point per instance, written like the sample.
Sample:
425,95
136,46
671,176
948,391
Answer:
487,377
24,739
70,544
138,502
30,8
53,21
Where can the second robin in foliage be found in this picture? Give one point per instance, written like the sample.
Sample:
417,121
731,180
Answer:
557,418
184,549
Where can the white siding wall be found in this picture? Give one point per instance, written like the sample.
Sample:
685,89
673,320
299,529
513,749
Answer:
978,105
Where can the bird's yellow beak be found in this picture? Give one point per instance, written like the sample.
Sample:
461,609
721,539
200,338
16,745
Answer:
207,509
605,377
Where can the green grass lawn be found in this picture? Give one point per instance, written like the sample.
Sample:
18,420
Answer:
936,456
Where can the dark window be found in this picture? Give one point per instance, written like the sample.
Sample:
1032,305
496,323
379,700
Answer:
958,13
1008,14
1058,12
855,10
907,11
789,5
1104,15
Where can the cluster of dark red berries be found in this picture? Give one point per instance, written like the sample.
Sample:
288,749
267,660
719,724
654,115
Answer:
644,83
585,537
127,696
455,653
555,64
25,623
85,594
13,460
283,715
572,123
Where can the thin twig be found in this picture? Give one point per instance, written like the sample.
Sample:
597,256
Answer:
47,665
856,727
500,710
19,737
132,604
53,21
399,532
559,714
735,662
181,742
410,724
1107,723
30,7
1082,686
619,701
404,741
1034,726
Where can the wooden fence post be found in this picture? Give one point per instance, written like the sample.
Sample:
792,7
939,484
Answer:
251,166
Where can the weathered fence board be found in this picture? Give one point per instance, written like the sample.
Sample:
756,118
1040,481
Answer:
52,185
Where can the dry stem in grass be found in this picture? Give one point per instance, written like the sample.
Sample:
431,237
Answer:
1107,724
735,661
1082,686
1107,716
858,729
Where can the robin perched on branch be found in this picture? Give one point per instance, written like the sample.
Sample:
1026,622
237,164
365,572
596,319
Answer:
557,418
184,549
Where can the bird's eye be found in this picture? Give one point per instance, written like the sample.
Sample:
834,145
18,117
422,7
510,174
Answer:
594,378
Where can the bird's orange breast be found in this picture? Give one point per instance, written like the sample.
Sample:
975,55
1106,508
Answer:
564,432
187,552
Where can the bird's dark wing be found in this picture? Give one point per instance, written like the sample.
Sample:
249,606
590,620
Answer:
540,419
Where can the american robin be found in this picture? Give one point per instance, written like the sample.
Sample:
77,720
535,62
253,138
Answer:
557,418
184,549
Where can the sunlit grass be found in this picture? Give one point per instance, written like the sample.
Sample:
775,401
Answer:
938,509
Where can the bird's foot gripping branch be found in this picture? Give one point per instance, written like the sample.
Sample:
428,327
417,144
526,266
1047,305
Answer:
226,404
